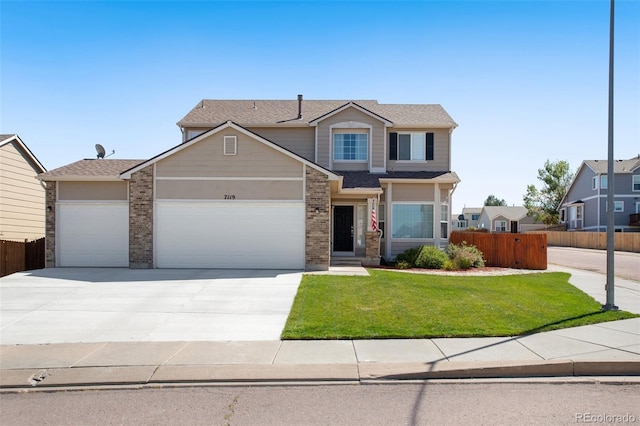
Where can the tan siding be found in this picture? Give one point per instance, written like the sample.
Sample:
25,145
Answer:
441,161
92,191
351,114
217,189
21,197
206,159
298,140
412,192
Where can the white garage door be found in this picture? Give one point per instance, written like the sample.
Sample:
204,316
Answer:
93,234
230,235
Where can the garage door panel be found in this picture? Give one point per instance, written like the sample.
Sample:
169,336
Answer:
93,235
221,235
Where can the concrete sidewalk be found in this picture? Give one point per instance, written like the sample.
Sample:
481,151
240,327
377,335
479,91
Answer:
606,349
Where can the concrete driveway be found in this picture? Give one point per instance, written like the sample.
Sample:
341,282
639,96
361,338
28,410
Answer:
69,305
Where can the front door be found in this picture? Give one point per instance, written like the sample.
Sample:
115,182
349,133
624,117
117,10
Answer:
343,228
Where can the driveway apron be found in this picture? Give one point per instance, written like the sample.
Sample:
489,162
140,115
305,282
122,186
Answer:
73,305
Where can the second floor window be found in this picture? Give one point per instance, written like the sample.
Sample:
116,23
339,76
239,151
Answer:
350,146
411,146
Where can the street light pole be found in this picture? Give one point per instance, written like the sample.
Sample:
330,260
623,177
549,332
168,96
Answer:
610,305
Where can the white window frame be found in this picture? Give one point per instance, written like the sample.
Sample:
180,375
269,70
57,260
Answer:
444,221
618,206
356,160
635,180
604,182
194,133
412,144
594,184
230,144
395,215
503,228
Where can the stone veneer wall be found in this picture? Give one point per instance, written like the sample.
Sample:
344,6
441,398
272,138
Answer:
372,251
50,225
141,219
318,225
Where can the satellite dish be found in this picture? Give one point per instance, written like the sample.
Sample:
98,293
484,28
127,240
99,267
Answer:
100,150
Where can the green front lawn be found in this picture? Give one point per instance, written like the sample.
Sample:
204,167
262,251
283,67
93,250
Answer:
391,304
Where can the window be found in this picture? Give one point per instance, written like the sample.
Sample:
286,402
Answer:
444,220
475,216
462,224
618,206
230,145
635,183
350,146
604,182
381,212
193,133
361,222
563,215
412,221
594,184
411,146
501,226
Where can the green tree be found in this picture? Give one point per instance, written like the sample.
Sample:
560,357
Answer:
543,204
492,200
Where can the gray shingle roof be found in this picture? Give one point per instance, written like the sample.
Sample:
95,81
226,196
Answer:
210,113
364,179
90,169
619,166
508,212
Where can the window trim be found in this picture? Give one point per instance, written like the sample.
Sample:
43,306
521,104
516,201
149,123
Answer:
604,182
333,147
495,225
633,183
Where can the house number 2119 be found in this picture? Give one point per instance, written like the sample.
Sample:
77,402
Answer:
229,197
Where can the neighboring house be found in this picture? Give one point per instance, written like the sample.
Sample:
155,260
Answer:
467,219
263,184
584,207
507,219
21,194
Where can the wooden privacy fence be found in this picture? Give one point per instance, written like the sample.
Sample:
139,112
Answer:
17,256
623,241
520,251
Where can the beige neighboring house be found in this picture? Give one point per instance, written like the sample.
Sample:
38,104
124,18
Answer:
22,214
467,219
278,184
507,219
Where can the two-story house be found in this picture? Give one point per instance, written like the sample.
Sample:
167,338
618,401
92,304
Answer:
263,184
584,206
467,219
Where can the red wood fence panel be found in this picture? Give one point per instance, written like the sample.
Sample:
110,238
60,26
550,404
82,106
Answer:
505,250
17,256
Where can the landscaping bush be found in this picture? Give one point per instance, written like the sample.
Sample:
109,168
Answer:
464,256
431,257
407,257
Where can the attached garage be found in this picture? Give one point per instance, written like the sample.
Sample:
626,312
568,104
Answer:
93,234
210,234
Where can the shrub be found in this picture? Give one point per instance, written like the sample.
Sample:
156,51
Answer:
431,257
408,257
465,256
403,264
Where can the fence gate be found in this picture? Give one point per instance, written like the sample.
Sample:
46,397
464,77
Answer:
17,256
506,250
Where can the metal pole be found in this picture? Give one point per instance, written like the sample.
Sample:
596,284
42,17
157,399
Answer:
610,305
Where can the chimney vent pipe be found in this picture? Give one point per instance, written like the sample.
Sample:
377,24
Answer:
299,107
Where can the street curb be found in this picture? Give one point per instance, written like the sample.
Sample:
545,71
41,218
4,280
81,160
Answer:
295,373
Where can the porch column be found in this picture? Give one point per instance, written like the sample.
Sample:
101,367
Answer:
317,220
388,221
372,238
436,214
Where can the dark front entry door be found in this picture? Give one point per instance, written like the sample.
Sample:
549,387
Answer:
343,228
514,227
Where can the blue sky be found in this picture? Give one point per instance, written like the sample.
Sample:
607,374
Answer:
525,80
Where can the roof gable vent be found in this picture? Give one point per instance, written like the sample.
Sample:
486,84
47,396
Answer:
230,145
